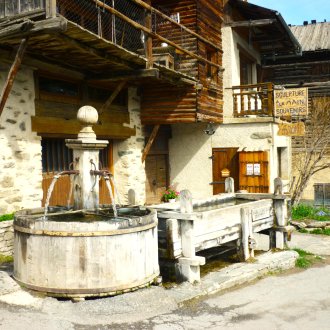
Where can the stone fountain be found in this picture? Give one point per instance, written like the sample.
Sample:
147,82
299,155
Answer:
86,251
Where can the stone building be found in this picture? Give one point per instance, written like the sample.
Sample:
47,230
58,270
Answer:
176,84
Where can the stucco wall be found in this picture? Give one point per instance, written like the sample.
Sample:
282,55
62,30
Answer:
320,177
20,157
128,167
231,75
190,149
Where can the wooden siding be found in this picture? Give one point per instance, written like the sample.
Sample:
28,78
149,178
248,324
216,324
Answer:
56,113
210,100
165,104
171,104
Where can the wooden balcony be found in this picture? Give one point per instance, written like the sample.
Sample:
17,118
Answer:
254,99
130,25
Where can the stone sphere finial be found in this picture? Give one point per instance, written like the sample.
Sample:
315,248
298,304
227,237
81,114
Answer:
87,115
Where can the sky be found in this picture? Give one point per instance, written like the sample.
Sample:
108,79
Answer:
295,12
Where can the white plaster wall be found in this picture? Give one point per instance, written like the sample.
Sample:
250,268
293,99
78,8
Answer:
20,157
129,171
231,63
190,166
190,149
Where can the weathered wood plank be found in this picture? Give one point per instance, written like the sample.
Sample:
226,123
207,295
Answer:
150,142
59,126
12,74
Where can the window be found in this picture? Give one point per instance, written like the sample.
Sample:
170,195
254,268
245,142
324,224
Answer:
57,157
246,69
212,71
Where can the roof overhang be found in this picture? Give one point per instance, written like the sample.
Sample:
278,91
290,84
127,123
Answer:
266,29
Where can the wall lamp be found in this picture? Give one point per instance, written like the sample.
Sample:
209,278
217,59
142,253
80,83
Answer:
209,129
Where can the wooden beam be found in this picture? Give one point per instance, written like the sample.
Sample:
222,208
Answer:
256,22
148,41
136,74
155,35
80,46
59,126
114,94
12,74
150,142
27,28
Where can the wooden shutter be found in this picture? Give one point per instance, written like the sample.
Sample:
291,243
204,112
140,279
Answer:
253,171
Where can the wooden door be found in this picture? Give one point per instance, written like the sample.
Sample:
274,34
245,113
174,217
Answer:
56,157
156,173
253,171
224,158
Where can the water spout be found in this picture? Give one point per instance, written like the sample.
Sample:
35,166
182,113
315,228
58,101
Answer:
51,188
107,176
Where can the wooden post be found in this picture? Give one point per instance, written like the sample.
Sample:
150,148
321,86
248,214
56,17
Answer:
12,74
270,99
150,142
50,8
114,94
148,41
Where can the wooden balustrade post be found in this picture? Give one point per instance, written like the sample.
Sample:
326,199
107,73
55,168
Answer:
270,99
148,41
235,105
50,8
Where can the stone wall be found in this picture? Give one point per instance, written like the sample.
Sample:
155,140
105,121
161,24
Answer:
129,170
6,238
20,157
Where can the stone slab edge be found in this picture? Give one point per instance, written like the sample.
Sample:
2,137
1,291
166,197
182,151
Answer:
235,275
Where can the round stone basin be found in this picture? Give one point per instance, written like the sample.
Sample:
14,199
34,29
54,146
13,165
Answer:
72,255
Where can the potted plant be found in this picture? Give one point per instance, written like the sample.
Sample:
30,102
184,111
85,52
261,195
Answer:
170,195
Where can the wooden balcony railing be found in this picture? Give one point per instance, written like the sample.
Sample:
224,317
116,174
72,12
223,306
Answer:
254,99
131,24
9,8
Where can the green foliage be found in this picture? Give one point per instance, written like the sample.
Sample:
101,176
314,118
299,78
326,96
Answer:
5,259
302,211
303,263
7,217
305,259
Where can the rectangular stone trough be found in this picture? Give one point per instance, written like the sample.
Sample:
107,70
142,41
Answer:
217,221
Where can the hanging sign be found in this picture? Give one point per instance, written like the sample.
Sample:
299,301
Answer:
291,129
291,102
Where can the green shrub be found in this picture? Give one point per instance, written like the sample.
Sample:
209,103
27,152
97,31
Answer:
5,259
7,217
305,258
302,211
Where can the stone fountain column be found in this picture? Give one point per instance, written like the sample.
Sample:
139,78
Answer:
86,158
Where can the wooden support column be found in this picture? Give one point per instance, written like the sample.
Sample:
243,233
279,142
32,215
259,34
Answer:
112,97
12,74
148,41
150,142
50,8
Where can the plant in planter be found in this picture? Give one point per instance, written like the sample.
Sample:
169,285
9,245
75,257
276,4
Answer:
170,195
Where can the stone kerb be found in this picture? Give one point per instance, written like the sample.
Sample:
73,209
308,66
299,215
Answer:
6,238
